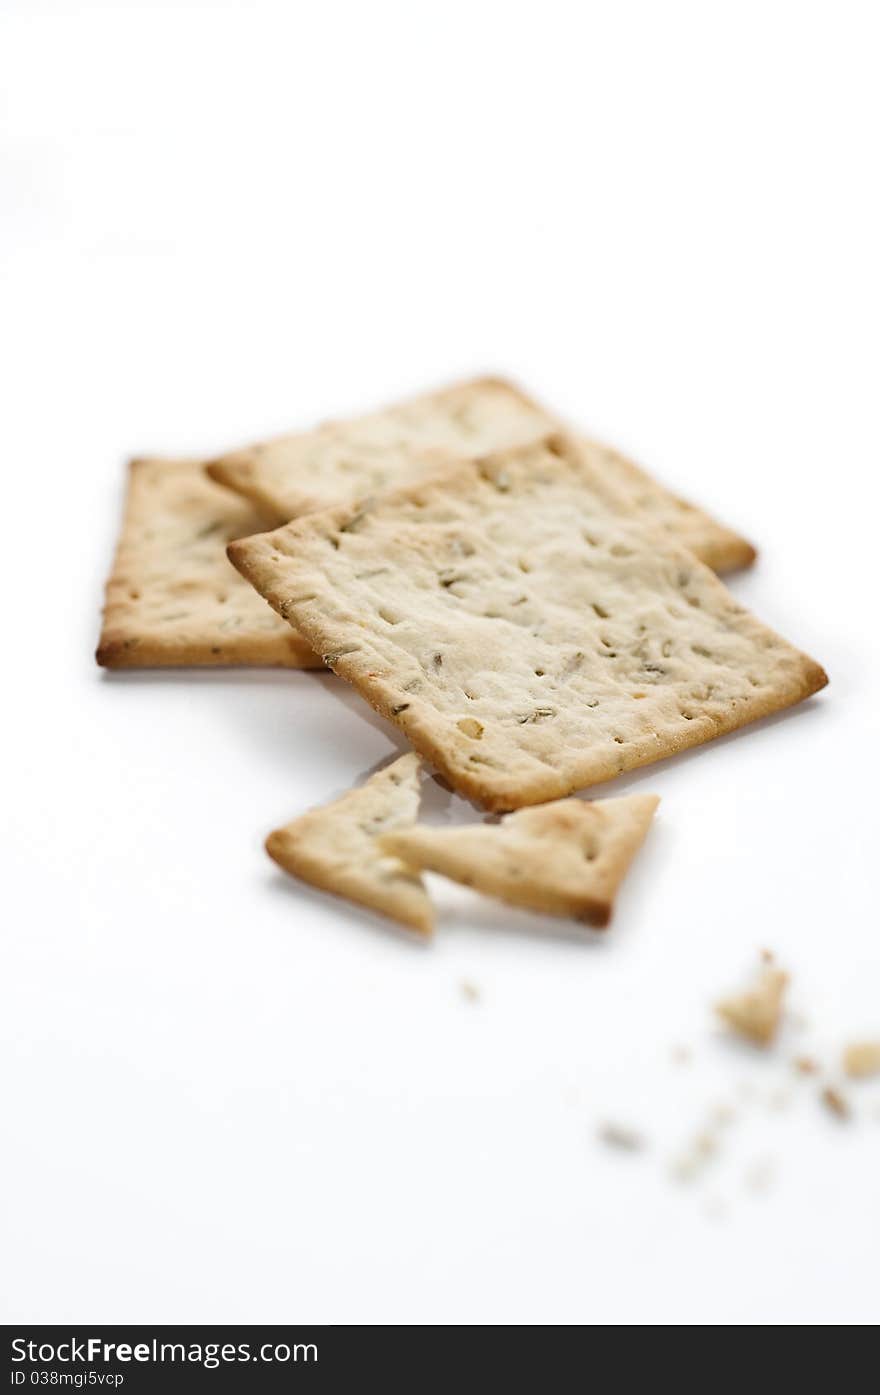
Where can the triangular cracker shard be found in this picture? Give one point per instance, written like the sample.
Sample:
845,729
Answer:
337,848
566,858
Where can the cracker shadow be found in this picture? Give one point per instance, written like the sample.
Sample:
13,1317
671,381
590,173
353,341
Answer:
484,913
286,887
633,779
231,676
464,908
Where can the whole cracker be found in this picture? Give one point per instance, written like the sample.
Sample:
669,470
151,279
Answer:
343,461
527,639
172,598
337,847
566,858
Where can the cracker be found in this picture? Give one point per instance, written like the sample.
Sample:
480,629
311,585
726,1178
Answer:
757,1012
343,461
527,639
337,847
172,598
567,858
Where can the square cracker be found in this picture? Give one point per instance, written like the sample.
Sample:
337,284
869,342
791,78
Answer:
172,598
566,858
527,638
338,847
343,461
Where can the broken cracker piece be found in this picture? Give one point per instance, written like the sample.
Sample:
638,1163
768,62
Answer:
566,858
337,847
861,1059
756,1013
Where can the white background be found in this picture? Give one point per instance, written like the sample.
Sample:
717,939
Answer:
229,1098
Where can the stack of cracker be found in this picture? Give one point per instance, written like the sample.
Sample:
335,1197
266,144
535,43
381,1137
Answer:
532,610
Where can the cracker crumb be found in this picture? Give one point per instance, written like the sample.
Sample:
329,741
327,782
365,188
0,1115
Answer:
756,1013
861,1059
779,1100
835,1102
705,1144
470,991
698,1154
767,956
806,1065
621,1136
685,1167
760,1175
723,1114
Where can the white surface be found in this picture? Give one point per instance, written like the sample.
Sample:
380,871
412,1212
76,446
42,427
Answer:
230,1099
